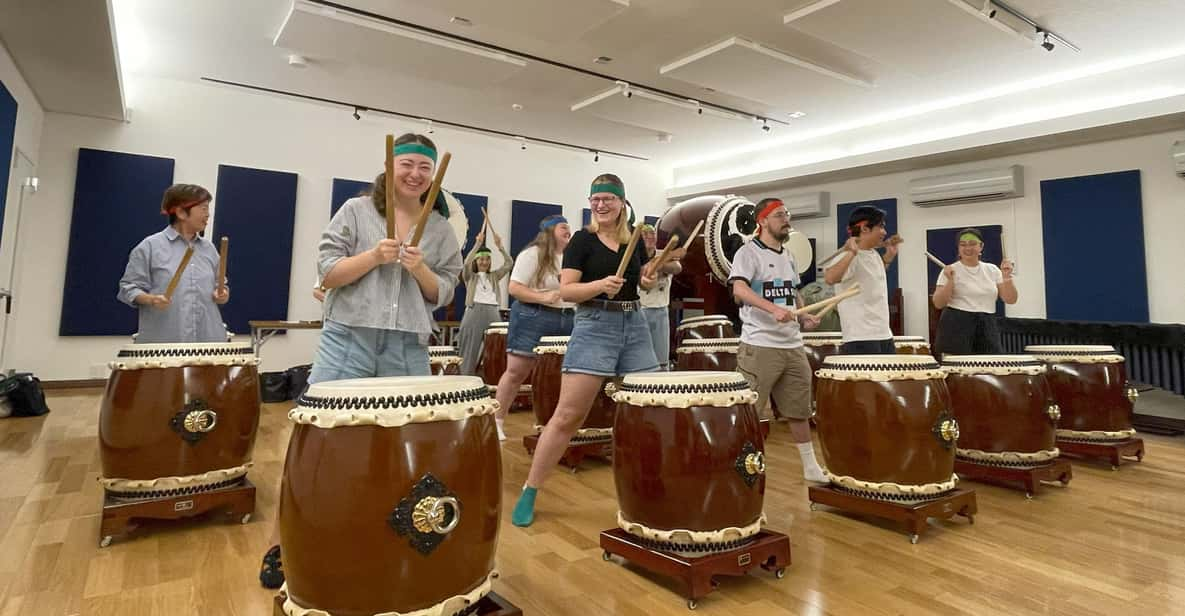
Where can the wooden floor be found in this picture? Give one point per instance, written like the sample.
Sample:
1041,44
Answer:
1111,543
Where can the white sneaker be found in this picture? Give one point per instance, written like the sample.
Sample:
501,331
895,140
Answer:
501,433
815,474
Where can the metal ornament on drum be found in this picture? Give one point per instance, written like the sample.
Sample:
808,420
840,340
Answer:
493,352
391,496
911,345
709,354
545,394
1005,409
885,426
178,418
1090,385
444,360
706,326
688,461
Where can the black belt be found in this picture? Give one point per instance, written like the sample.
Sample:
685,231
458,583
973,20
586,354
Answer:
611,305
554,309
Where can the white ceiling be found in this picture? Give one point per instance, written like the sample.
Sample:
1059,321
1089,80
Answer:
850,66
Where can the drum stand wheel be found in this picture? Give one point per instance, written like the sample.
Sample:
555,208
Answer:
576,452
119,518
768,550
1115,452
957,502
1028,479
490,605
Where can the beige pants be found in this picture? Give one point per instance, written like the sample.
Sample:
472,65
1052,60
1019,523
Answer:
783,374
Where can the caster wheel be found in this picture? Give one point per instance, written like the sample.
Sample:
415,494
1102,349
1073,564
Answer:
1028,496
106,541
1064,482
780,573
913,539
246,518
1114,467
814,507
606,556
971,520
692,604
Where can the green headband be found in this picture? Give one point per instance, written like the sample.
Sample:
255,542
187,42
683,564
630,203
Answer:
969,237
415,148
609,188
483,251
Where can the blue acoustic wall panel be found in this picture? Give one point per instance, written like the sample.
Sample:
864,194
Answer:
844,210
116,204
473,205
8,109
256,209
344,190
944,244
1087,211
524,222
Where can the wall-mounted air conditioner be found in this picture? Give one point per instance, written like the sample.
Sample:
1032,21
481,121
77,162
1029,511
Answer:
968,186
808,205
1179,158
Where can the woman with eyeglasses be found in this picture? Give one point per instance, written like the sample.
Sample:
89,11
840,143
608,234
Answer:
610,336
966,293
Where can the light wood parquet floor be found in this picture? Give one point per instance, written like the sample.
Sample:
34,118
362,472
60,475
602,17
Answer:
1111,543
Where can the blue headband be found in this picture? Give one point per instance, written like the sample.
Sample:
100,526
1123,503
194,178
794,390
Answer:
547,224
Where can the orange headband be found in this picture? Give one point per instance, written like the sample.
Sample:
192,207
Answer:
769,208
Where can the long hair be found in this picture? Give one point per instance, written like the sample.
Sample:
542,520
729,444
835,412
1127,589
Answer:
622,230
545,243
378,192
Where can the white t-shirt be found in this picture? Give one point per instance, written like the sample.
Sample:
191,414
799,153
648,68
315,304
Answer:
865,316
660,295
483,289
524,270
976,287
772,275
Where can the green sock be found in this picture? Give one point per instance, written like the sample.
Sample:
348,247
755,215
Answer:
524,510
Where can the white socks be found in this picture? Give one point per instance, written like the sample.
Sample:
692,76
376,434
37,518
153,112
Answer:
811,471
501,431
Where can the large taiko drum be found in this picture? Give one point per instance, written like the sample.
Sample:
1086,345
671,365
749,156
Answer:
702,327
885,426
819,346
688,461
1090,386
178,418
708,354
911,345
444,360
493,352
391,496
545,394
1005,409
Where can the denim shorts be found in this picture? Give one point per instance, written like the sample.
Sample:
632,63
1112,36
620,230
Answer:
348,352
530,322
610,343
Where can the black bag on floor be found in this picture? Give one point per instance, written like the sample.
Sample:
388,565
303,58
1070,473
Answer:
298,380
273,386
23,391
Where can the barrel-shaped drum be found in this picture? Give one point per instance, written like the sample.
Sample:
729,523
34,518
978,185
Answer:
391,494
444,360
708,354
702,327
1090,385
911,345
493,352
1005,409
178,418
885,426
688,460
820,346
545,394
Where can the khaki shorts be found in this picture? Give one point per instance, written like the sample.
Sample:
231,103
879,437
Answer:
783,374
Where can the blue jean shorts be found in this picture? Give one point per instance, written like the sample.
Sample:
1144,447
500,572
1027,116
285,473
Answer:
530,322
348,352
610,343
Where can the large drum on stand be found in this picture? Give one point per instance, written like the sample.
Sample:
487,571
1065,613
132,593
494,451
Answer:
819,346
886,428
1089,384
493,352
178,419
688,461
1006,412
709,354
911,345
390,499
706,326
545,394
444,360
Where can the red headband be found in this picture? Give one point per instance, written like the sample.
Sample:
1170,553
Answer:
183,206
769,208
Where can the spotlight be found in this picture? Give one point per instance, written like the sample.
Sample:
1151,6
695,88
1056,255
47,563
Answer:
765,125
1045,40
596,157
430,129
357,116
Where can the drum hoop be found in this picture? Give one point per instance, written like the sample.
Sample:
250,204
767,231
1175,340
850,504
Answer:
1092,354
685,325
993,364
451,605
161,484
694,537
391,410
160,355
889,488
1009,458
880,368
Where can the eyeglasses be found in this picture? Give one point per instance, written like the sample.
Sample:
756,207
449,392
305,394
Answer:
782,215
605,200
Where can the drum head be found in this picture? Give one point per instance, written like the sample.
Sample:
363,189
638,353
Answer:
456,217
731,224
800,247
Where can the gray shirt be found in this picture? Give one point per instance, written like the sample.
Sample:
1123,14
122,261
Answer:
388,296
773,275
193,315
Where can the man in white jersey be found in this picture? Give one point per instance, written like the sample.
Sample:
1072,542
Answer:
771,354
865,317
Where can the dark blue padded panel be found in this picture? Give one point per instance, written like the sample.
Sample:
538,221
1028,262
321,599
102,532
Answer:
651,220
944,244
473,205
844,210
1085,211
8,109
116,204
344,190
524,222
256,209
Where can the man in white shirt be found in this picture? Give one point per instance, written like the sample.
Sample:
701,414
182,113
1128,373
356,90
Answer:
865,317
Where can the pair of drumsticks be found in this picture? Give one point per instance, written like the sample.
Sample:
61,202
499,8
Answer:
662,257
1003,255
891,241
221,282
433,192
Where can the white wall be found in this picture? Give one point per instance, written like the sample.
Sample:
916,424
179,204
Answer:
202,126
1163,204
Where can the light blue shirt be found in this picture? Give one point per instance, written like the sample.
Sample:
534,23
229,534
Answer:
193,315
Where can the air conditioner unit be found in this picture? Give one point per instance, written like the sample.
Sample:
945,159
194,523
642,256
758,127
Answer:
808,205
968,186
1179,158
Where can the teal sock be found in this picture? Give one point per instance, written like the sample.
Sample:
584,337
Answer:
524,510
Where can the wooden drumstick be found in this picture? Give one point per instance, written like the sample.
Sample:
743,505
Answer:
1003,248
663,256
852,292
177,274
629,251
222,248
431,200
935,260
694,233
892,240
833,255
828,310
389,186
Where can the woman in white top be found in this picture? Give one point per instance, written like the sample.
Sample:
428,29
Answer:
966,293
483,293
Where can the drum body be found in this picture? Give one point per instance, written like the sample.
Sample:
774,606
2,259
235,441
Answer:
545,394
445,360
178,418
391,496
688,460
1089,384
704,327
718,354
885,426
493,352
819,346
697,279
911,345
1005,409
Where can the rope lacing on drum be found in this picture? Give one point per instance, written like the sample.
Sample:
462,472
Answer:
179,352
449,352
338,403
684,388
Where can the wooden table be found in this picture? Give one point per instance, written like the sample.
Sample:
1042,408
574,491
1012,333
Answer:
262,331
